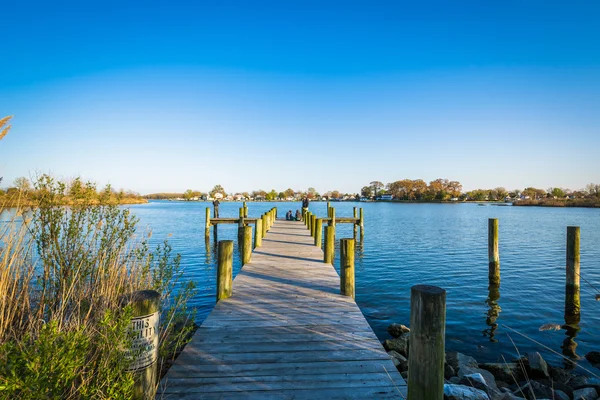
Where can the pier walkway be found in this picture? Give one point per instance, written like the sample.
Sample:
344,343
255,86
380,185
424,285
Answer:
286,333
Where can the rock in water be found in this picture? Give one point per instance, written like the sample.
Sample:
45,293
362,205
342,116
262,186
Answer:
459,392
542,391
448,371
585,394
593,357
399,344
537,365
458,360
489,378
397,330
399,360
505,372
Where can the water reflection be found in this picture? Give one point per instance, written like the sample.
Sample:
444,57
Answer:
493,312
207,253
569,346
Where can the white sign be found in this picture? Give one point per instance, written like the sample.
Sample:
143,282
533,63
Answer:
144,347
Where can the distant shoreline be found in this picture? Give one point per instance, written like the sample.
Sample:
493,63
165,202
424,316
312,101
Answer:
582,203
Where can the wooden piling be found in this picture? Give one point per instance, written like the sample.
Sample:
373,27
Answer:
258,230
572,299
347,267
241,225
362,225
427,342
247,245
355,225
245,207
225,269
313,223
318,232
207,225
264,224
308,219
493,253
332,223
145,330
329,244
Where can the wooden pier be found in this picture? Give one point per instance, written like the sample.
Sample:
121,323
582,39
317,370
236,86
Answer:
286,332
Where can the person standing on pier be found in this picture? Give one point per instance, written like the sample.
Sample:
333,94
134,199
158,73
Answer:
305,204
216,208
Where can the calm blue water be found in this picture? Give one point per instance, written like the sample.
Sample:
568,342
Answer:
436,244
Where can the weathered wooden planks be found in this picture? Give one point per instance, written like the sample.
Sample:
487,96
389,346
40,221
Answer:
286,332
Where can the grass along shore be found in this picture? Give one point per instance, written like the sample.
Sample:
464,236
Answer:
64,272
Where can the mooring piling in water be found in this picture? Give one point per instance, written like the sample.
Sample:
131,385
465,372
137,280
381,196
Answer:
427,342
207,226
362,225
313,225
355,225
493,253
572,299
332,221
224,269
347,267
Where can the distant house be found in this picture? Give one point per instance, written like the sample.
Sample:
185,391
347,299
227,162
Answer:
238,197
386,197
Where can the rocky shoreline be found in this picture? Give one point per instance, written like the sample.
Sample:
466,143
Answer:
528,377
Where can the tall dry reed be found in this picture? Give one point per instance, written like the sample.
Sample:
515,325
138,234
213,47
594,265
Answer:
63,273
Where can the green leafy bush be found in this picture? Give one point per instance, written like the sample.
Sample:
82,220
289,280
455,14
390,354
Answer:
64,271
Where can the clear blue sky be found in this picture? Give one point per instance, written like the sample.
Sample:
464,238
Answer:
166,96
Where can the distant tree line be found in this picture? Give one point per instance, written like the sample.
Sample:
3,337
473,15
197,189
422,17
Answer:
25,192
440,189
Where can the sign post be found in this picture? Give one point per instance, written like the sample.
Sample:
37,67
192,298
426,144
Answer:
143,354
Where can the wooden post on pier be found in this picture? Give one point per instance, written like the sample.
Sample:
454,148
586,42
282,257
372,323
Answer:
313,225
493,253
224,269
318,232
572,300
207,226
362,225
332,223
247,245
347,267
264,225
308,219
144,325
258,233
329,244
245,207
355,225
241,225
427,342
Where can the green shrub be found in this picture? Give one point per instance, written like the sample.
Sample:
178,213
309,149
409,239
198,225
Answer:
64,271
